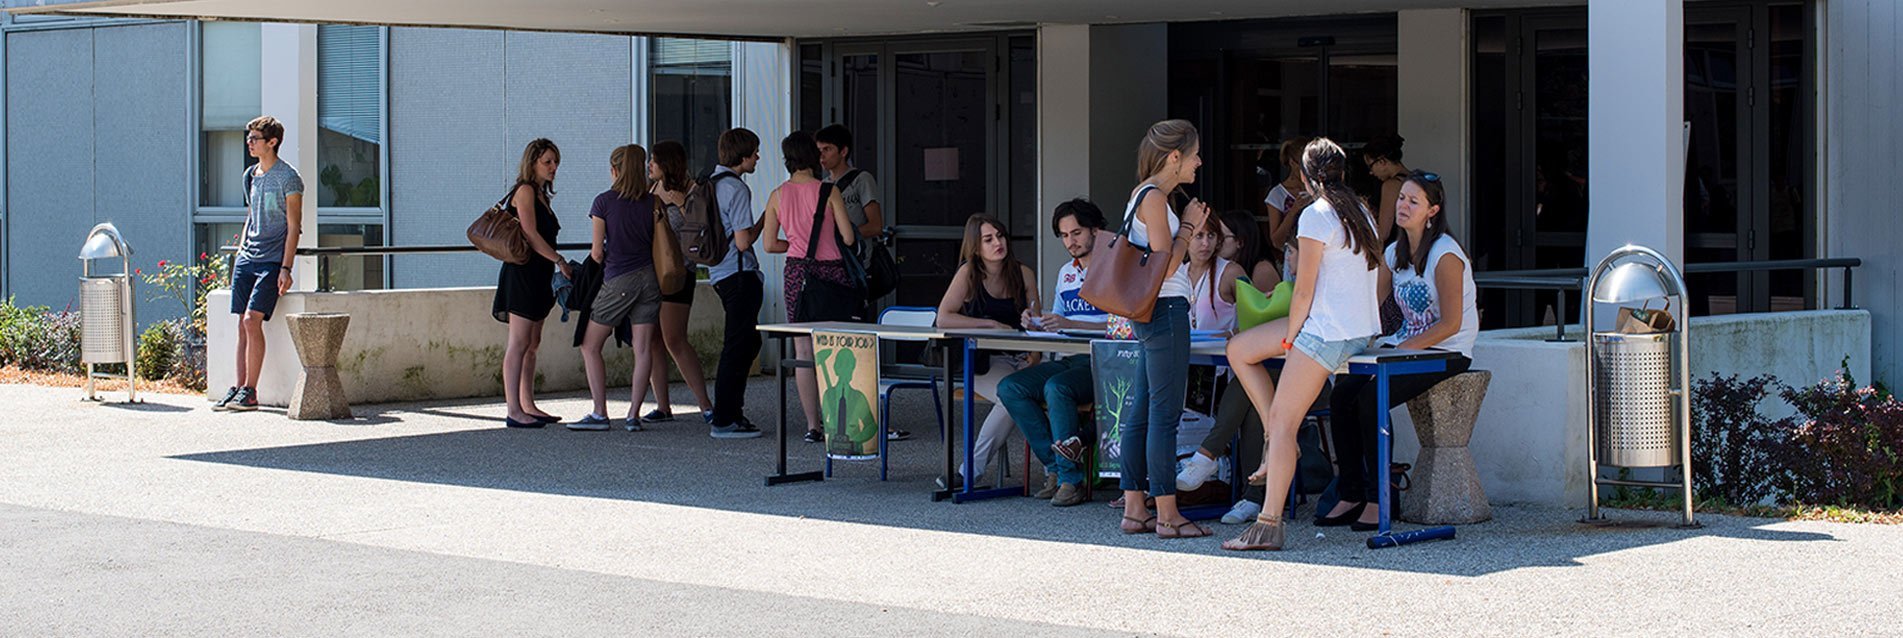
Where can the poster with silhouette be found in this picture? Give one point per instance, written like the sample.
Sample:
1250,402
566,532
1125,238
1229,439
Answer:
1115,367
847,364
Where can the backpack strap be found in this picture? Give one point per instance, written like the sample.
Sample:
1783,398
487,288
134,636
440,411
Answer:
846,180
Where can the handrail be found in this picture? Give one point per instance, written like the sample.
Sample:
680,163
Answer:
1565,279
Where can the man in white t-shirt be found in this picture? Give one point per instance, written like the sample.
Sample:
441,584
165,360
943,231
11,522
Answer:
1043,398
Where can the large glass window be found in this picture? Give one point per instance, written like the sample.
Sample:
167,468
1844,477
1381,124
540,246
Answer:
232,96
692,95
349,116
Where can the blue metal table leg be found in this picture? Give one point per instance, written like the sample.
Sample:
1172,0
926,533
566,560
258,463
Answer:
1384,429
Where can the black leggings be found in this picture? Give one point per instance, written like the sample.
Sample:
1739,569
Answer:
1352,410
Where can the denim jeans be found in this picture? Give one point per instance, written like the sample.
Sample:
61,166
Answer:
1043,399
1149,440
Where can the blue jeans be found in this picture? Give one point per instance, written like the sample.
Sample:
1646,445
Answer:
1149,440
1043,400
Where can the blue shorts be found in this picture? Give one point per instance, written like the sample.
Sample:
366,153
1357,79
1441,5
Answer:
254,286
1330,354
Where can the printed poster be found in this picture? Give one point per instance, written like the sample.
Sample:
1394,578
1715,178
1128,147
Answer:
848,367
1115,368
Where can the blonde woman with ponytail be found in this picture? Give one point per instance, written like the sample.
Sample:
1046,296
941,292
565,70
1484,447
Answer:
1166,159
1333,315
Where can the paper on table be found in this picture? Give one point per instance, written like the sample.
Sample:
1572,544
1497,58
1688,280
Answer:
1043,334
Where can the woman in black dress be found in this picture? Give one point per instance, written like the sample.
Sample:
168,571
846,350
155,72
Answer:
524,294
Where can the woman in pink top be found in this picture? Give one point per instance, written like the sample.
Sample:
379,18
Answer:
791,209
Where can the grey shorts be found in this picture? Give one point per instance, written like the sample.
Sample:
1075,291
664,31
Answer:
635,296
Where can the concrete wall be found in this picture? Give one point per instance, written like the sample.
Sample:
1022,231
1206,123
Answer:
1530,441
96,131
391,355
1858,150
1433,50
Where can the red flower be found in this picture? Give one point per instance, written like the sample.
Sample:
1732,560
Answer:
161,263
203,256
138,271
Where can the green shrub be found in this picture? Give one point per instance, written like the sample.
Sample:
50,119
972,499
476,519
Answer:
158,350
37,338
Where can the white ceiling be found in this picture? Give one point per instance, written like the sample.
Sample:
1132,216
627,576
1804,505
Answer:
741,18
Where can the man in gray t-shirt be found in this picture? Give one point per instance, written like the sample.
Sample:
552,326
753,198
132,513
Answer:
857,187
274,199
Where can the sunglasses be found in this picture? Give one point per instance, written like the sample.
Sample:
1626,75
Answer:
252,138
1427,177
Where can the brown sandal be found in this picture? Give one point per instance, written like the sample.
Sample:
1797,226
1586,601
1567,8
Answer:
1265,534
1185,529
1143,526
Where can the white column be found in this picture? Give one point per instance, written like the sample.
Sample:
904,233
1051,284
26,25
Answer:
1636,110
289,93
1063,134
1433,84
762,103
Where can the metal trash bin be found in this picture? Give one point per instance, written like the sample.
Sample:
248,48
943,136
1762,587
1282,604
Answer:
1634,402
1637,376
106,311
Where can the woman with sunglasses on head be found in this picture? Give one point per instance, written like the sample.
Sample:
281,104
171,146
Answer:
1432,282
1334,313
667,175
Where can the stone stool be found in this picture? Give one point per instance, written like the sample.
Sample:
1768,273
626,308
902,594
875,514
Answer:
319,336
1446,487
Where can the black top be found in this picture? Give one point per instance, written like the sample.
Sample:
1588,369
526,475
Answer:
1005,311
527,290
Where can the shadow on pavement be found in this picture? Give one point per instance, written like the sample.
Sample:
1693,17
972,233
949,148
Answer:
677,463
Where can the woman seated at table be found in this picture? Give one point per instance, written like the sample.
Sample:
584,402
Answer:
1432,282
991,290
1212,280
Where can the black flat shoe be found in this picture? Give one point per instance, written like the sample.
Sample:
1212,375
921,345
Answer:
1346,518
1359,526
548,420
529,424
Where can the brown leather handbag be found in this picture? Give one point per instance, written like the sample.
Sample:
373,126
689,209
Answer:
497,233
1124,278
670,268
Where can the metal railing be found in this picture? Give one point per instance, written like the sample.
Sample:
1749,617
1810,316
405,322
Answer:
325,254
1574,279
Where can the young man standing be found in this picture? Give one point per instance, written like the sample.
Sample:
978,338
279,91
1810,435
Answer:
274,196
737,280
1043,398
856,186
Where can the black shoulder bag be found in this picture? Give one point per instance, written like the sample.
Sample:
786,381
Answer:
823,299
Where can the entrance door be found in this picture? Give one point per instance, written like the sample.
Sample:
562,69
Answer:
929,119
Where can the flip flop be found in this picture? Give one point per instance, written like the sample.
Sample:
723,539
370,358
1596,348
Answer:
1143,526
1185,529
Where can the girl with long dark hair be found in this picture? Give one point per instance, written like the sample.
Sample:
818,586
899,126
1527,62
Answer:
667,172
1334,313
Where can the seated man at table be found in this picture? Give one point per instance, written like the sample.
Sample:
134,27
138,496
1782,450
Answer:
1043,398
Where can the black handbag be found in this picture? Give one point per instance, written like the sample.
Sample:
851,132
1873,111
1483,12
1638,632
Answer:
882,272
823,299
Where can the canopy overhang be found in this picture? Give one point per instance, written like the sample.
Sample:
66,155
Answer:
732,19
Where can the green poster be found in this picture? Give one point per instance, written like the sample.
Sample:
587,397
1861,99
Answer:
848,367
1115,367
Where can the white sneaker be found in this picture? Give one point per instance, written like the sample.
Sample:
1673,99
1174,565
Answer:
1195,472
1245,511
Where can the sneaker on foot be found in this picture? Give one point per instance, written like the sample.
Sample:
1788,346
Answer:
737,430
246,401
1069,494
708,416
1072,448
815,436
632,424
896,435
657,416
1244,511
1196,471
225,403
590,423
1050,487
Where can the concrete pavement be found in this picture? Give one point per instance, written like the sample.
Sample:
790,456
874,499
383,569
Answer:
167,518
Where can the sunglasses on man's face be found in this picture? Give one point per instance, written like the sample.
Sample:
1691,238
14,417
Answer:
252,138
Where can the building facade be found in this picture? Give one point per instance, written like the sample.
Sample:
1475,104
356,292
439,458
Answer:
1721,131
